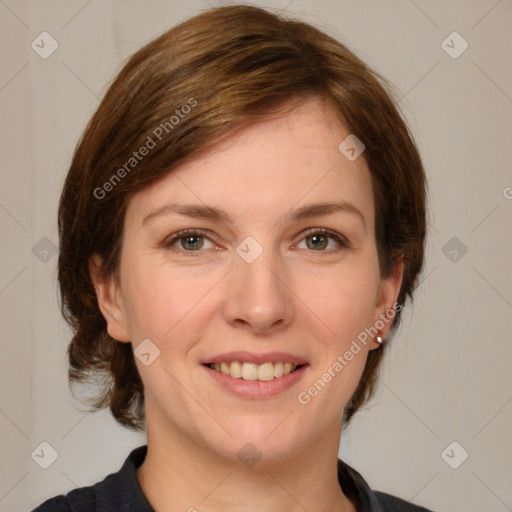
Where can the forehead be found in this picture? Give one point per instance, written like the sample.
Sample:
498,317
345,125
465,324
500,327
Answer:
267,168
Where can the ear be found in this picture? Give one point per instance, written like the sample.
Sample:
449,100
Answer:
110,301
389,289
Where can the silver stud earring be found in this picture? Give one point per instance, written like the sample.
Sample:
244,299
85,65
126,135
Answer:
380,340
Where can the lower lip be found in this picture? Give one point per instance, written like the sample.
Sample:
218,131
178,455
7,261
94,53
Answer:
256,389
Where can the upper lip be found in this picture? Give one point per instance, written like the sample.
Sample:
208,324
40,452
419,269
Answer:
250,357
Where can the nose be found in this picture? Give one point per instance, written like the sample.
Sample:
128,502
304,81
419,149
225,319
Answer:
259,297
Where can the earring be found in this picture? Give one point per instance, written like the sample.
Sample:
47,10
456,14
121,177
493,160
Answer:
380,340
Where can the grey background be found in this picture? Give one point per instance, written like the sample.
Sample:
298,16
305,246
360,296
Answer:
448,376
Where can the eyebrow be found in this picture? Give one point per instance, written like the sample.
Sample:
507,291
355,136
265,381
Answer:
211,213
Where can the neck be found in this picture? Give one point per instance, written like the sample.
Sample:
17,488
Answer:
181,475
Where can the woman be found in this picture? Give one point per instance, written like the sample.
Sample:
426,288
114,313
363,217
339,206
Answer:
240,226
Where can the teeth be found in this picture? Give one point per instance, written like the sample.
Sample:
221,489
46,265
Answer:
252,371
249,371
266,371
235,370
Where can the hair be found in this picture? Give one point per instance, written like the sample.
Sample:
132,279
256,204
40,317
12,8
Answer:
180,95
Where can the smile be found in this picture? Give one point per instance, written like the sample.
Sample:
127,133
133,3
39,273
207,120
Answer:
255,376
252,371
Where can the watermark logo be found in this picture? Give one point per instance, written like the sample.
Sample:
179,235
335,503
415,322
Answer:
249,249
249,455
151,142
454,455
454,45
44,45
454,249
342,360
44,455
351,147
44,250
146,352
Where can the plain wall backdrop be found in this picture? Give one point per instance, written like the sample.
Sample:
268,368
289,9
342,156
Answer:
447,378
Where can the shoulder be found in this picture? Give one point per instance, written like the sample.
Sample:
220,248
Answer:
117,492
57,504
367,500
82,500
393,504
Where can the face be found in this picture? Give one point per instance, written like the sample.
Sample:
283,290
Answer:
261,251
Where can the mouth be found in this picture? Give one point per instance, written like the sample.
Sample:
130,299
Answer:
265,372
253,376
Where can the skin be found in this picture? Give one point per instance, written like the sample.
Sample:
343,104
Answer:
299,297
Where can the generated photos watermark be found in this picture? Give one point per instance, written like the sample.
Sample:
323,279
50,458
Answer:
304,397
152,141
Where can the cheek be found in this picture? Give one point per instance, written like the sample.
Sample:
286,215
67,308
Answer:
160,301
343,299
343,312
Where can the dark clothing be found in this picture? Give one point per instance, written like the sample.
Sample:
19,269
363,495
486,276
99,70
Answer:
120,492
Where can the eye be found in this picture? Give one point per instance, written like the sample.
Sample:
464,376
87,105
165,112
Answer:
317,239
188,240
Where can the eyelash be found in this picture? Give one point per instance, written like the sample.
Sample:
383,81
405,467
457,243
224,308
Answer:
170,241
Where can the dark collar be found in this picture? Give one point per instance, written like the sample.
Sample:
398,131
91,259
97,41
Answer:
121,490
355,487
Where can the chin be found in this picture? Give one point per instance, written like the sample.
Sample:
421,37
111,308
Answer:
259,440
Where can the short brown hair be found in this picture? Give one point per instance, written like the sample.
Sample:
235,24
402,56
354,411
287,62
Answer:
220,70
